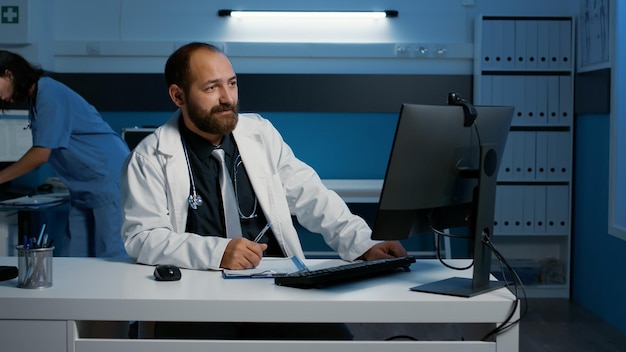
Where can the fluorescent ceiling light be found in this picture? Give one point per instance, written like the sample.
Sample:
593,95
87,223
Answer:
301,14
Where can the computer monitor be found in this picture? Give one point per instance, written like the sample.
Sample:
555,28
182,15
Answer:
442,175
134,135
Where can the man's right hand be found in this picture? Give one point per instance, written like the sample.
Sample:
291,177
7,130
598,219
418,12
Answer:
242,253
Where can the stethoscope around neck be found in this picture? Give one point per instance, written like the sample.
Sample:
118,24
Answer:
195,200
32,115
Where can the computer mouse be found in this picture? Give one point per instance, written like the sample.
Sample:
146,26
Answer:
166,272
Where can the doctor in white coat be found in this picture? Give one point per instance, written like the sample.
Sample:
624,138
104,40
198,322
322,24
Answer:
156,184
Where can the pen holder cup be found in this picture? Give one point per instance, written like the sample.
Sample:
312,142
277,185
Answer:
34,267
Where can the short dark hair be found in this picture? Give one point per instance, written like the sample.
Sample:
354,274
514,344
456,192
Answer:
24,76
177,65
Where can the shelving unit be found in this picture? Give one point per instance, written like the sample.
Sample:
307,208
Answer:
527,62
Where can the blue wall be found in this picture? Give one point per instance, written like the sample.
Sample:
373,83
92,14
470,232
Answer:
599,260
357,144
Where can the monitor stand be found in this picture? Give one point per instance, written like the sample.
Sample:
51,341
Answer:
457,286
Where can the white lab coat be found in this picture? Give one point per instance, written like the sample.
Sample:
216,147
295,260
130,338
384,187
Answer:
155,186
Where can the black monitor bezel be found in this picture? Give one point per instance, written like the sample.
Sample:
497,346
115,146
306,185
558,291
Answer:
464,172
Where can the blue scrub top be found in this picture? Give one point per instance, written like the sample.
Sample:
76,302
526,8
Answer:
86,153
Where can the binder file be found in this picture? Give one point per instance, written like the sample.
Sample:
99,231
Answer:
540,209
501,90
518,155
516,209
497,214
486,90
557,201
508,45
528,215
554,100
497,91
489,44
531,44
541,155
530,95
509,91
504,212
564,161
552,152
530,144
519,100
506,164
542,100
565,41
520,44
559,156
554,35
543,44
565,100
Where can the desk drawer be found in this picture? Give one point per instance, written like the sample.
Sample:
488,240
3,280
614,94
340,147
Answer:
33,335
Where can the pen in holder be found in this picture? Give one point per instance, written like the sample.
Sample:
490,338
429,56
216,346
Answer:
34,267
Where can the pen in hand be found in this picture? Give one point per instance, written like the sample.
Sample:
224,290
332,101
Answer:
262,233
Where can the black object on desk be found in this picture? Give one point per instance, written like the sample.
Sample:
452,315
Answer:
344,273
8,272
164,272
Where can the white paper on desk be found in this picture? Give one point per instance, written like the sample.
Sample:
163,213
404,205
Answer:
31,200
62,194
268,268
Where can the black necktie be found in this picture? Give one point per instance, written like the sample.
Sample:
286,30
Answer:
229,202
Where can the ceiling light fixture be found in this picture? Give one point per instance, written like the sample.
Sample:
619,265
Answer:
300,14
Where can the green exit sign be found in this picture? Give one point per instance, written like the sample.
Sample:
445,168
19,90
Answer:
10,14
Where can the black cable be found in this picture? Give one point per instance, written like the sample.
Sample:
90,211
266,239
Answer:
439,233
517,283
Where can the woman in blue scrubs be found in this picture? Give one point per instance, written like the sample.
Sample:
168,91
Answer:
85,152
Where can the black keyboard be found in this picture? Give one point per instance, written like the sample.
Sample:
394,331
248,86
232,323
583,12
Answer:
344,273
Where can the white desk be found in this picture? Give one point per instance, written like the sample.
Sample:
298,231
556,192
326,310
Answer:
356,191
89,289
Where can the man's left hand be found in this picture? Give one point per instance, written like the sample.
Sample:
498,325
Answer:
387,249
